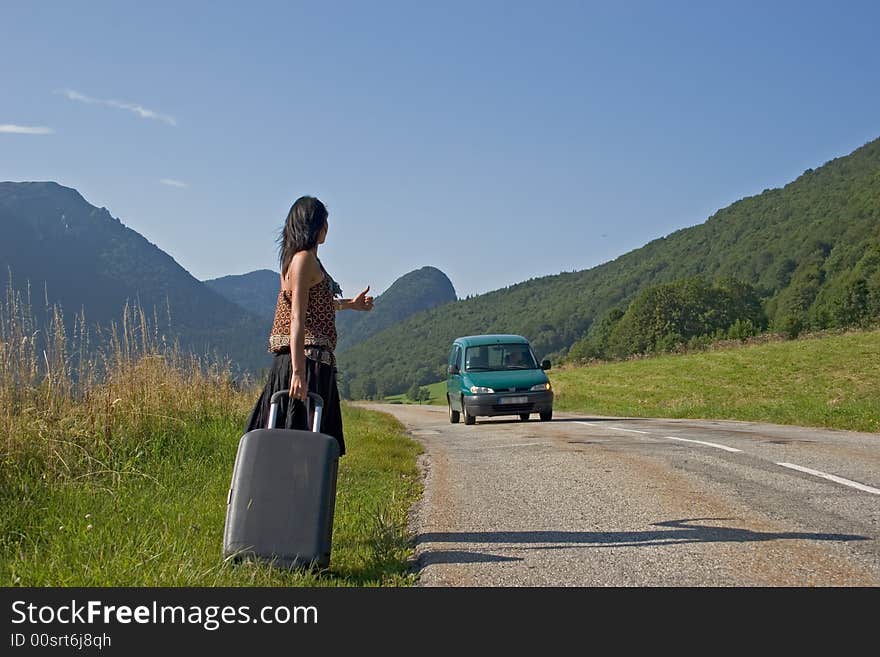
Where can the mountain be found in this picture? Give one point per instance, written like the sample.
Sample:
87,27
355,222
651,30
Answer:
418,290
83,258
256,291
812,248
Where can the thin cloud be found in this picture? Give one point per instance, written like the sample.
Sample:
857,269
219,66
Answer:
134,108
75,95
12,129
174,183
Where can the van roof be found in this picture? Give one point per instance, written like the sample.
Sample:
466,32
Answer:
494,338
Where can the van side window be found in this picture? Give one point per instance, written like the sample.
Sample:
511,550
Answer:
455,355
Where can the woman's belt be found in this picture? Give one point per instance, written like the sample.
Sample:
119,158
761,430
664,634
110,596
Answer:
320,354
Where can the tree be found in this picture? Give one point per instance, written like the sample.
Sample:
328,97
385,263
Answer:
668,315
369,388
344,387
852,307
595,343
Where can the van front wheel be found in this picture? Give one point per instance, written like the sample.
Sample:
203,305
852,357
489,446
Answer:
453,415
546,417
468,418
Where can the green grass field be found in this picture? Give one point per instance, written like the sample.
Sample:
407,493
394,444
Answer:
436,390
829,381
159,521
826,381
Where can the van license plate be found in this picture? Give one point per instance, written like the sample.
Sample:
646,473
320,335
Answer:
514,400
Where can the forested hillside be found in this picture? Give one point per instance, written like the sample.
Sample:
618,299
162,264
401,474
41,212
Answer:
411,293
811,250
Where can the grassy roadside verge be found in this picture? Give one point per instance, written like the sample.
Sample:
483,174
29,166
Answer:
160,522
828,381
115,465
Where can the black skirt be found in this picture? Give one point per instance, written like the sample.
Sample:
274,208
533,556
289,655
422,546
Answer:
321,379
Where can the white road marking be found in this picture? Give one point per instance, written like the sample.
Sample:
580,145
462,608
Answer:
831,477
703,442
591,424
817,473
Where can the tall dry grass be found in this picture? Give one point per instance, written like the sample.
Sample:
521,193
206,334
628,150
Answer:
80,405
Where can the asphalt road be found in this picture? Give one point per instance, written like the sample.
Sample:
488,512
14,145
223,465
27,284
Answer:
597,501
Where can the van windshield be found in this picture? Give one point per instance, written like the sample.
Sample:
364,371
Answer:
494,357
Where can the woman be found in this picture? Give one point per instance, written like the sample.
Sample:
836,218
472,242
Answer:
303,334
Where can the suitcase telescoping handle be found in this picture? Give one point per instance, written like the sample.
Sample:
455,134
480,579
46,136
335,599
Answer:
315,398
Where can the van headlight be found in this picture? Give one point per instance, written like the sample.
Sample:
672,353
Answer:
540,386
481,390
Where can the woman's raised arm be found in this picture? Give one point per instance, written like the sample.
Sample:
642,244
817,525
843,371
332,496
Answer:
360,302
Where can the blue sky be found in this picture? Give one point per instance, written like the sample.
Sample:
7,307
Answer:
498,141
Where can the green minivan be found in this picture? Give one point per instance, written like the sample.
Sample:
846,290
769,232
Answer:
496,375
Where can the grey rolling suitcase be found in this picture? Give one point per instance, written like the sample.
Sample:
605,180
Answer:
283,494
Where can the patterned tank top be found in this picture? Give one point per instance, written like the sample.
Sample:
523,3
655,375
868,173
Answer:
319,325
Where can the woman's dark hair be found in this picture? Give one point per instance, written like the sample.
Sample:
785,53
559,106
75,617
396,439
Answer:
304,222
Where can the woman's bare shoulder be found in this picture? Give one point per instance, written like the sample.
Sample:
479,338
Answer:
304,267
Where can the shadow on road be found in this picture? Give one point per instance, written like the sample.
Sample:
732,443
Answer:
461,556
586,418
507,420
675,532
